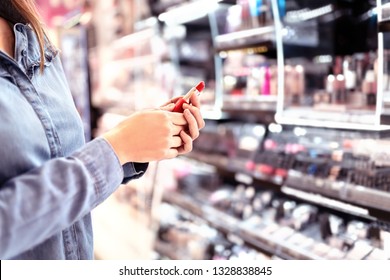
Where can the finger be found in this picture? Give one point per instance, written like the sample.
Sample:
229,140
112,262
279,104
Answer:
177,118
169,107
187,143
192,124
195,101
176,142
197,114
177,128
171,153
170,101
175,99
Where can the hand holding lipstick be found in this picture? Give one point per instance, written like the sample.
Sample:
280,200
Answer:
186,98
151,135
189,105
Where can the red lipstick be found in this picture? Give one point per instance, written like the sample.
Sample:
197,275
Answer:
186,98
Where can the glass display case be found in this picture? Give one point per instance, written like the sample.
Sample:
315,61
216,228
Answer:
331,57
230,44
244,41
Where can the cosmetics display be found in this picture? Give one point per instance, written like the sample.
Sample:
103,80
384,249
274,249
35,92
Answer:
230,145
333,82
187,236
294,162
317,160
276,224
245,41
351,166
349,83
323,165
249,81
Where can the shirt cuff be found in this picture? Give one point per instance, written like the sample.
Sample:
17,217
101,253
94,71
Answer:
133,170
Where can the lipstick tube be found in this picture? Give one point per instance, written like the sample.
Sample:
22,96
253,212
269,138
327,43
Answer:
186,98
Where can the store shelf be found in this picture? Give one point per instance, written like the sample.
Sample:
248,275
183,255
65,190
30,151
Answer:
230,225
236,169
305,187
133,40
133,62
255,103
260,40
342,119
214,114
188,12
358,195
320,200
259,109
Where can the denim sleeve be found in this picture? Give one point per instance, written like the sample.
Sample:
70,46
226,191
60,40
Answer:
45,200
133,171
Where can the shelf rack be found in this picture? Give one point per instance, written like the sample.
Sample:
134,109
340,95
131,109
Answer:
230,225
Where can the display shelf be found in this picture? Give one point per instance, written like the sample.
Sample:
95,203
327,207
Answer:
320,200
339,190
250,115
236,169
133,62
306,188
343,119
258,40
340,83
210,114
132,40
231,225
187,12
246,103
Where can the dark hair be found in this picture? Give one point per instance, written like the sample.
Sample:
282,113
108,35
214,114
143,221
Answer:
27,10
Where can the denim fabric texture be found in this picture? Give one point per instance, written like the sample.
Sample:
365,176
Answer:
50,179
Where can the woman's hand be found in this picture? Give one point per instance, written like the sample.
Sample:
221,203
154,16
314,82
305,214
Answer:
191,113
149,135
152,135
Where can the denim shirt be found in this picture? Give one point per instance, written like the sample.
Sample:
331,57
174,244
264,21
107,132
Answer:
50,179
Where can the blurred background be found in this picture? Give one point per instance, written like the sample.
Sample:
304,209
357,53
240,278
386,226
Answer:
294,160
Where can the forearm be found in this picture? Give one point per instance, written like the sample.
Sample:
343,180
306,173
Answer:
42,202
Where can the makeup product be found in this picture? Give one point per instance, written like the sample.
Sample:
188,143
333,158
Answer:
185,99
282,8
255,12
330,85
349,73
369,87
340,89
297,84
360,250
321,249
245,14
266,85
335,254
